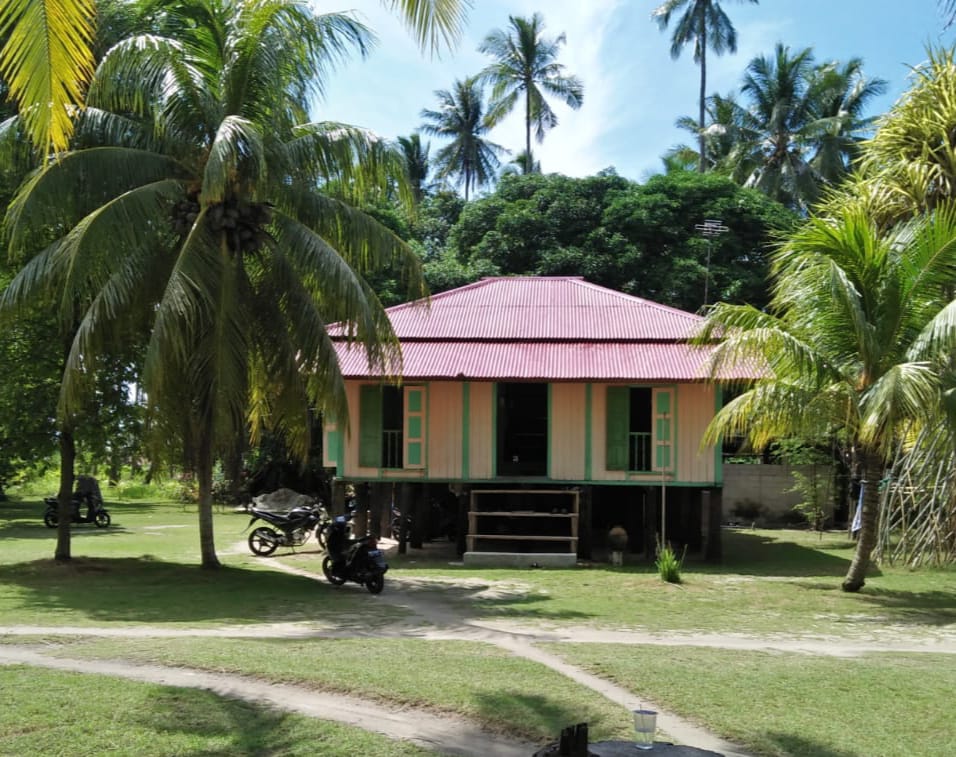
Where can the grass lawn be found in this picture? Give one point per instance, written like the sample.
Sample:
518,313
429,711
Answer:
143,571
499,690
877,705
58,713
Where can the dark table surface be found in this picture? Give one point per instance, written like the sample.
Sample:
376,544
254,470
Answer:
622,748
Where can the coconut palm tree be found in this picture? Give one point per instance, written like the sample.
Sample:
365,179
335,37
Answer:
192,198
802,126
460,117
47,58
416,163
525,67
704,23
858,322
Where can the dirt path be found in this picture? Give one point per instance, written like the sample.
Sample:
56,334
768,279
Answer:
434,619
444,734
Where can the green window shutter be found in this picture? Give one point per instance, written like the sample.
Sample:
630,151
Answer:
370,426
414,427
618,424
332,444
663,430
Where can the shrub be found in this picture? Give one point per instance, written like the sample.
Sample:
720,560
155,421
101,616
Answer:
668,564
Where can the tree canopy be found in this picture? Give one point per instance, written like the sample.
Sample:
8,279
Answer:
637,238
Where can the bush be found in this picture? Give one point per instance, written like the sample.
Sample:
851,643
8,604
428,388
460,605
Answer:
668,564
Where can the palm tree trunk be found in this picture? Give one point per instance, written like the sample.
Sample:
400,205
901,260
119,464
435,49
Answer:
702,164
527,128
869,516
207,544
65,494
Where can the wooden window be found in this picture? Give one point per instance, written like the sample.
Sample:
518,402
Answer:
639,429
391,427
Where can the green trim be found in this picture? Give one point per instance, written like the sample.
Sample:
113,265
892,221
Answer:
534,480
465,429
587,432
719,446
675,429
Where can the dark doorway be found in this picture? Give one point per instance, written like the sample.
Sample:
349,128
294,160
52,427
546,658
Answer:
522,430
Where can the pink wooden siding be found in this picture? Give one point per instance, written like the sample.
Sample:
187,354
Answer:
481,439
444,418
695,405
568,414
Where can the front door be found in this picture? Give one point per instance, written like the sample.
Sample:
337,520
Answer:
522,443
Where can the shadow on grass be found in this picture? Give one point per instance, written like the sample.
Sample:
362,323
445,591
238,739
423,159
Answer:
144,590
24,519
798,746
538,716
936,608
758,554
200,714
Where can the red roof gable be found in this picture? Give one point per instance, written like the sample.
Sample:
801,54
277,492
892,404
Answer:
539,308
538,328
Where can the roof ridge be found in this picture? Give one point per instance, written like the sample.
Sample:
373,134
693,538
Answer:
634,298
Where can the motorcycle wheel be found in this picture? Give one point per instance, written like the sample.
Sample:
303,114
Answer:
375,583
327,569
320,536
101,519
51,519
263,541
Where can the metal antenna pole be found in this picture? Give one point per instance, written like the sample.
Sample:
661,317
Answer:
710,229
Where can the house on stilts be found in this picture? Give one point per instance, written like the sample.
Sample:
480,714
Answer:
547,409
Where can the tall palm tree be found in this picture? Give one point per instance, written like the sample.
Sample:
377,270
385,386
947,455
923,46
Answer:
416,163
706,25
47,59
525,67
802,126
859,320
460,117
190,199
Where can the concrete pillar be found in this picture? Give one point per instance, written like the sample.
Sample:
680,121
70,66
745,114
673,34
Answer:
360,522
585,532
338,497
712,503
651,518
464,504
421,512
404,504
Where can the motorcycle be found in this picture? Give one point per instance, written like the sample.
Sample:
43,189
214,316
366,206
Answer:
87,505
288,529
359,560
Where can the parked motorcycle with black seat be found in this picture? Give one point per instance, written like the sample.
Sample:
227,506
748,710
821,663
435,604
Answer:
288,529
358,560
86,505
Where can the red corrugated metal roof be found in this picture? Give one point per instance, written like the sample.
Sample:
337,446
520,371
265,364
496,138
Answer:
539,328
538,361
539,308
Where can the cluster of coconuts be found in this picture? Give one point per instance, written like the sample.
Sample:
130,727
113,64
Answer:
241,222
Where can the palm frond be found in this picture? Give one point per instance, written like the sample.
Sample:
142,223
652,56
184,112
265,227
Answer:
56,196
46,60
433,22
236,159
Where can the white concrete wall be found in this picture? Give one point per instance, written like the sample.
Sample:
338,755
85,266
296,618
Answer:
766,485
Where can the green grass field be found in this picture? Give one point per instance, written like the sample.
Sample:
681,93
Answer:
143,573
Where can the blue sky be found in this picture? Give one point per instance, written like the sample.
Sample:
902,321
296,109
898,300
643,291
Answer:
634,91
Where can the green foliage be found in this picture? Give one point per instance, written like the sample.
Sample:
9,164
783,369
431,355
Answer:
638,239
668,564
816,492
